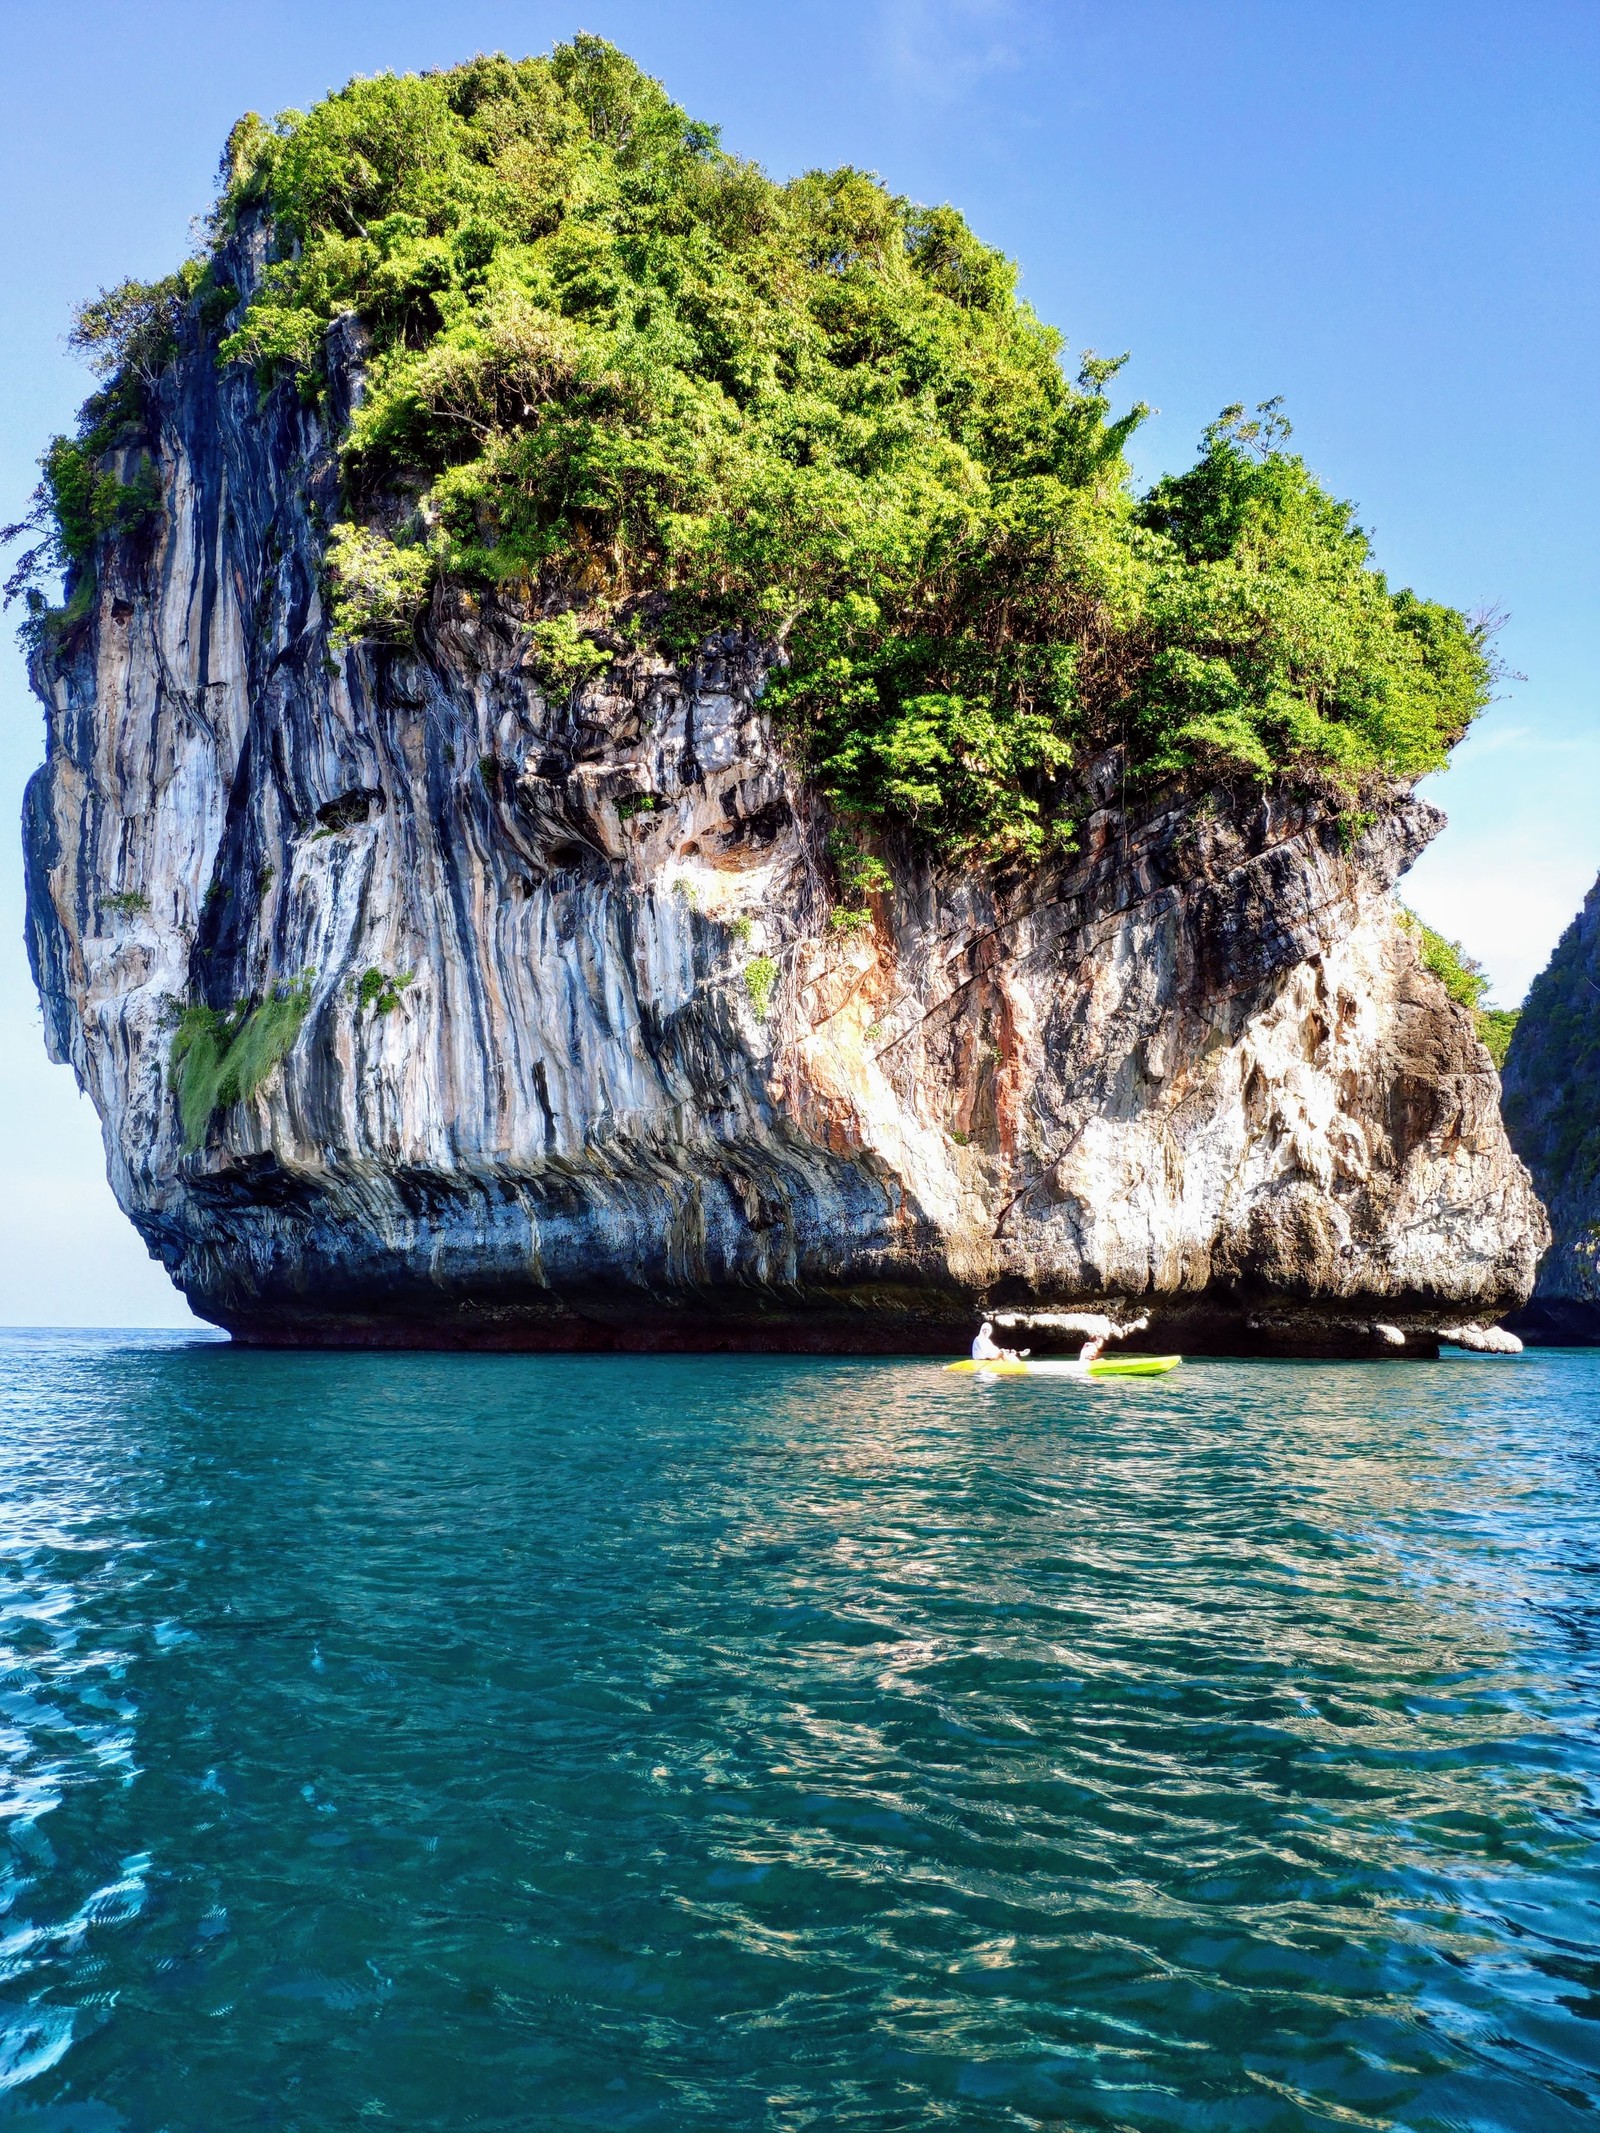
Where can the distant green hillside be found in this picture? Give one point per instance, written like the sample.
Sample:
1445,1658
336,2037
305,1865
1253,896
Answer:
1551,1086
625,381
1552,1081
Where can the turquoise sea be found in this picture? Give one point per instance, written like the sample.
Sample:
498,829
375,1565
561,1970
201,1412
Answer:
497,1742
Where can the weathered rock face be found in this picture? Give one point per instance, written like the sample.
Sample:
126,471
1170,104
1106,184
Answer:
1552,1096
1197,1066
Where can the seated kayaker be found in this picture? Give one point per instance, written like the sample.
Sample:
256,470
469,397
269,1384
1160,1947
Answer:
1100,1330
986,1350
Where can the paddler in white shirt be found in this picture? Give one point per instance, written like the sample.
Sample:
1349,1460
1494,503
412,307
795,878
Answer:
985,1349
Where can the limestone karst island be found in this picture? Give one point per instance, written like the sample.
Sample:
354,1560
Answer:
628,767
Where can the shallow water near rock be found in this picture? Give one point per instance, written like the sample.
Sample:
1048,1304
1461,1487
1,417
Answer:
459,1742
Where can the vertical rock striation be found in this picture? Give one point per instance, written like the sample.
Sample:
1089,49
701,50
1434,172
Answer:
583,1061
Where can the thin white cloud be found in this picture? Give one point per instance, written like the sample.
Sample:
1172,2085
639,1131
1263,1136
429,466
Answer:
936,51
1496,740
1526,740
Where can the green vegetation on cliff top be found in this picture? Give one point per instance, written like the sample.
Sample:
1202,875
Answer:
628,382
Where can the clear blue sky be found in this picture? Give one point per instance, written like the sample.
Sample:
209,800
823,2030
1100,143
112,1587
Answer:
1384,211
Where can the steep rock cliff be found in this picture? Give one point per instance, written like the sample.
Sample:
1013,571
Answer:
1552,1107
613,1079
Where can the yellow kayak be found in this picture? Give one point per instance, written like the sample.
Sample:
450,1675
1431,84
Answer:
1111,1366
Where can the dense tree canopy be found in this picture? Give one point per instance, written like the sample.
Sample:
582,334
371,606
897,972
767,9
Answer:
627,378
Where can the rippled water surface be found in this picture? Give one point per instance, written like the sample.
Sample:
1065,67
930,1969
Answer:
589,1742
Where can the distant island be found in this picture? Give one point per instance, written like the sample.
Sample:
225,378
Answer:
1552,1107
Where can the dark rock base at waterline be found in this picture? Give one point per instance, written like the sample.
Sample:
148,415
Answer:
1557,1322
829,1325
